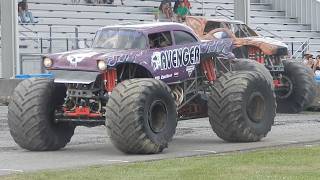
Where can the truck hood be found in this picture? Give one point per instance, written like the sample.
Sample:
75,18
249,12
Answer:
85,59
268,45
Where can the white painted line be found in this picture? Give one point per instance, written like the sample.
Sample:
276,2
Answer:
118,161
205,151
308,145
13,170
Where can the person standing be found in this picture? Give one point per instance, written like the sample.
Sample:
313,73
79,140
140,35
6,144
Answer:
166,8
316,65
177,3
182,12
24,14
308,59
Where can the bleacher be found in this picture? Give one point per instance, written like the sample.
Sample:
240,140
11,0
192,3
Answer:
61,22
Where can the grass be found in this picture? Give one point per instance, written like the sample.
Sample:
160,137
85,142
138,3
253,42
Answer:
286,163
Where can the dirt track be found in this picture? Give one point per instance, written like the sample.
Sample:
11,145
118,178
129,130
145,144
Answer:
92,146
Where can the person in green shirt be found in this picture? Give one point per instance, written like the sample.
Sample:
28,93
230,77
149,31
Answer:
182,11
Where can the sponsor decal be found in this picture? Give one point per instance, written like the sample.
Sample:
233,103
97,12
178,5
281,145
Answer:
166,76
220,47
176,58
190,69
112,61
162,77
176,74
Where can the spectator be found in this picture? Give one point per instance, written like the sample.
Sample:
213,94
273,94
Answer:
25,16
187,4
177,2
176,5
308,60
166,8
156,14
182,11
316,65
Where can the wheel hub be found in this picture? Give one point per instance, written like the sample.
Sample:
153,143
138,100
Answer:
285,89
157,116
256,107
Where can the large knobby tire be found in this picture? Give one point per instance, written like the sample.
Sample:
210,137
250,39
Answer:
141,116
242,106
31,116
251,65
303,90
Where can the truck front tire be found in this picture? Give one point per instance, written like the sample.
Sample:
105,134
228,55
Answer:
141,116
31,116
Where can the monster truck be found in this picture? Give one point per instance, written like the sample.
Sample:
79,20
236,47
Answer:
139,80
294,83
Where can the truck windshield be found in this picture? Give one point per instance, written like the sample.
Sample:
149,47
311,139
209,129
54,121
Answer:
242,30
119,39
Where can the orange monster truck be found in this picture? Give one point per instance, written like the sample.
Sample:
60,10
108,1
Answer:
294,83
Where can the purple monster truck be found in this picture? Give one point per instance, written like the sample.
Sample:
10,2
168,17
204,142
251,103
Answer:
139,80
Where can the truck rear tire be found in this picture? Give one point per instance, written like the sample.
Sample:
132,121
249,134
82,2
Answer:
141,116
31,116
242,106
303,90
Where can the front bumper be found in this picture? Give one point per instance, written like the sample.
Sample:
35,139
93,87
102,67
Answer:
74,77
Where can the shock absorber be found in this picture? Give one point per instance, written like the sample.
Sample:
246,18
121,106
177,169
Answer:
110,80
261,57
208,69
251,53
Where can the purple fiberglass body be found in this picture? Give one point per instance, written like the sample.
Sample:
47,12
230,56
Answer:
169,51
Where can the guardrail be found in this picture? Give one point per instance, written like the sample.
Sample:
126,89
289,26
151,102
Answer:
263,29
57,44
219,8
301,50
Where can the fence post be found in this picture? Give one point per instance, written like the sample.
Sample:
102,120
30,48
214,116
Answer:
303,50
41,45
76,30
9,37
242,10
50,39
203,8
67,40
21,64
42,69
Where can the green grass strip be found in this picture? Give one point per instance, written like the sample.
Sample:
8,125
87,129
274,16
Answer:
285,163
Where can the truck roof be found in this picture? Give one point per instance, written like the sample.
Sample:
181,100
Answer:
151,27
226,20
